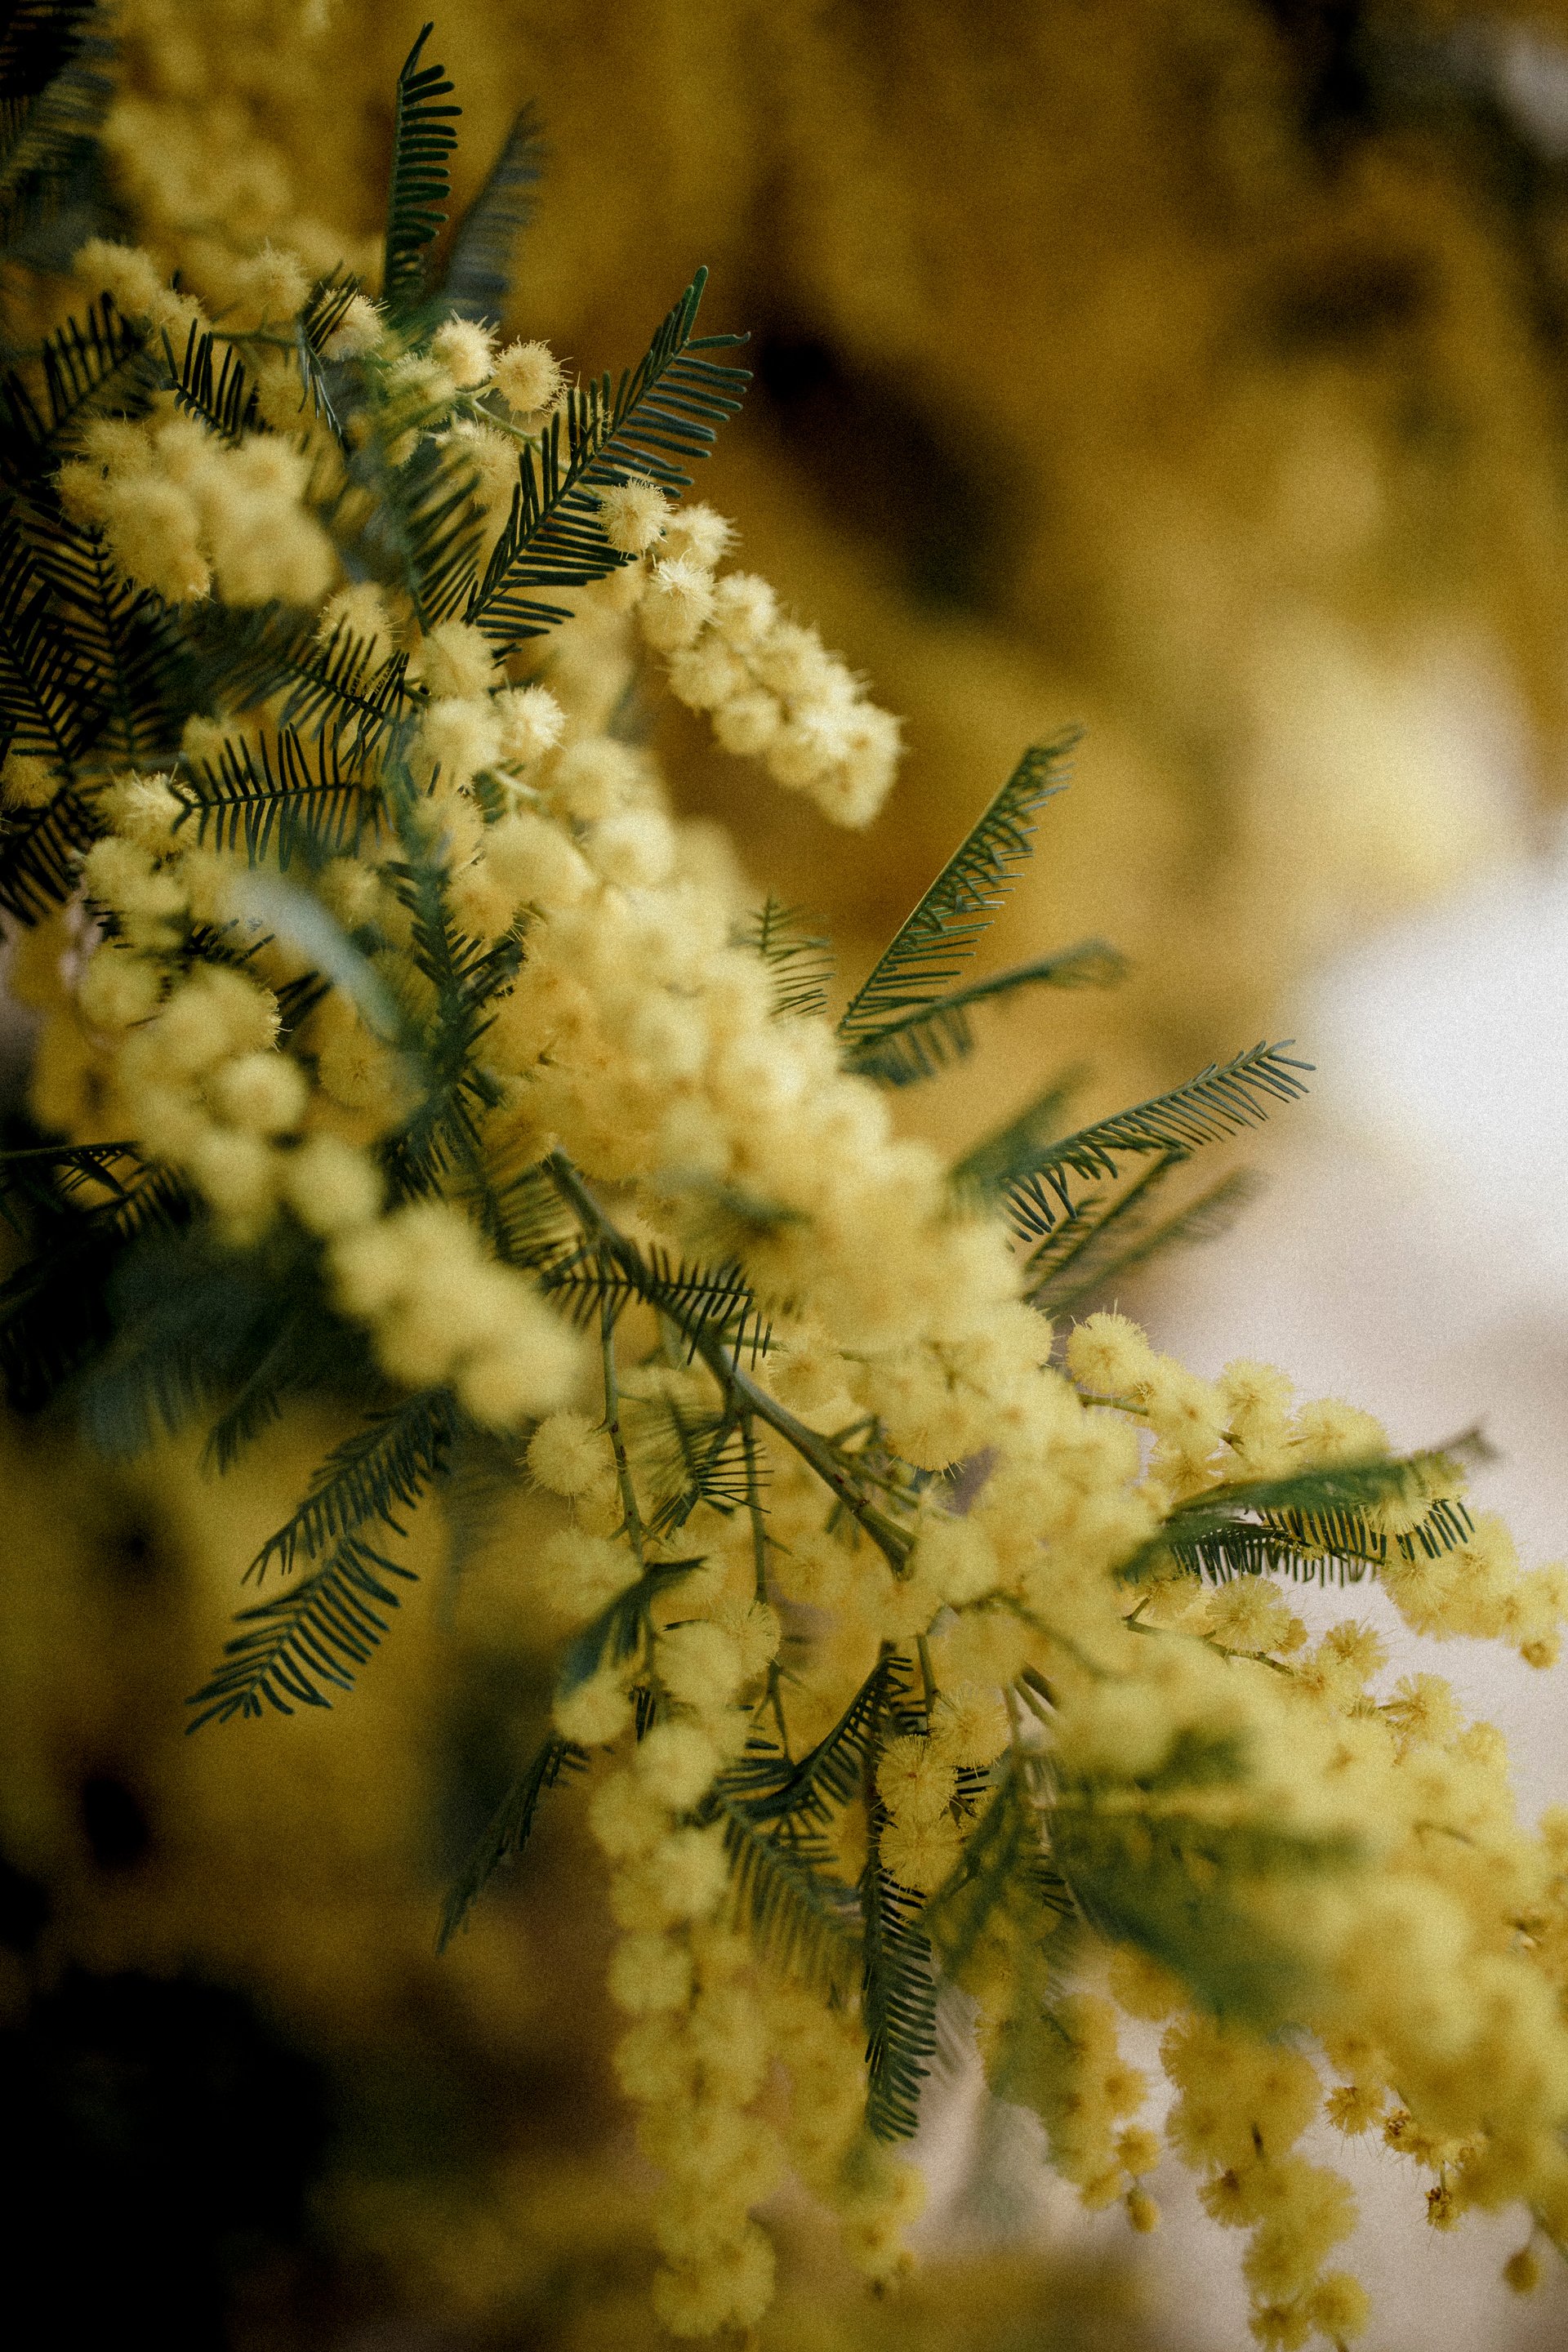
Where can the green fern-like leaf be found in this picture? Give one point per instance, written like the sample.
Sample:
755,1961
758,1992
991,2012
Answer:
931,947
588,1267
686,1458
1100,1241
304,1354
897,2000
1004,1870
536,1227
619,1631
922,1042
423,138
802,1920
313,329
55,1313
1316,1523
42,1175
192,1324
1220,1101
98,358
39,852
801,960
1005,1157
51,698
477,283
281,800
466,976
382,1468
142,665
662,414
509,1829
54,89
704,1303
423,531
769,1788
219,393
343,682
305,1640
1156,1863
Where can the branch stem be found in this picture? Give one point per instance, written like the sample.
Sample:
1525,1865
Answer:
745,1396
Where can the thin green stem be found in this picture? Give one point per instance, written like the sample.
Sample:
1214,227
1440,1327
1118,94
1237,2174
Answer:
928,1677
478,413
892,1541
755,1508
255,335
633,1516
745,1397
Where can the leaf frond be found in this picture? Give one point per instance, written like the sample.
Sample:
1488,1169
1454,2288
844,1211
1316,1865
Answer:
281,798
768,1787
423,139
1319,1520
424,529
535,1226
54,1315
619,1630
54,90
219,393
1166,1868
477,282
313,329
509,1829
1010,1153
466,977
302,1354
46,1175
784,1895
306,1639
590,1271
135,645
383,1468
1220,1101
930,948
921,1043
93,357
342,681
801,960
663,414
193,1324
713,1303
1097,1244
687,1458
897,2000
51,698
1004,1870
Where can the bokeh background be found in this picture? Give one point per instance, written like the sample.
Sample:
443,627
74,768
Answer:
1196,369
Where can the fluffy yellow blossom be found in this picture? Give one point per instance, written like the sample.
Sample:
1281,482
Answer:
913,1784
1522,2272
567,1453
27,782
634,514
676,1762
118,990
466,350
330,1186
528,377
135,284
359,330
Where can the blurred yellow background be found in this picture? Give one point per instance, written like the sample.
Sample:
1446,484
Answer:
1191,368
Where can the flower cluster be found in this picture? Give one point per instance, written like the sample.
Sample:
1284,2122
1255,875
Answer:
905,1638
